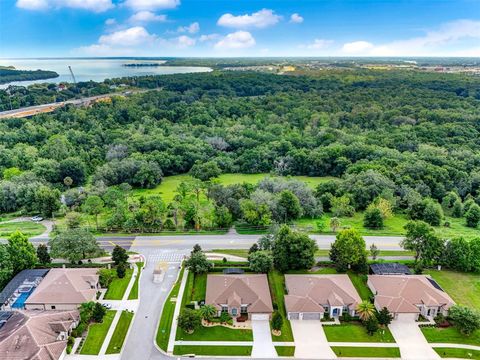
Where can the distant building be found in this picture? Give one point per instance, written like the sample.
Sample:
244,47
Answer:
64,289
36,335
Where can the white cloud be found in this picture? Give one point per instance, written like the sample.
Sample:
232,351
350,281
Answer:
319,44
209,37
296,18
110,22
236,40
92,5
129,37
147,16
357,47
260,19
193,28
185,41
151,4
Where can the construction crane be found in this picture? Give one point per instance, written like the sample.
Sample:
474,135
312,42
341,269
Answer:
73,76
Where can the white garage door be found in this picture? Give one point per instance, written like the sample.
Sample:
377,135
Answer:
407,317
260,316
311,316
293,316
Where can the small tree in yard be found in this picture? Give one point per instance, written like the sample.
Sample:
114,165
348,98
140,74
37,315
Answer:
198,263
260,261
466,320
365,310
119,255
473,216
98,312
384,317
349,251
105,277
253,248
277,321
374,252
43,255
373,218
121,270
334,223
196,248
189,320
94,206
208,312
371,325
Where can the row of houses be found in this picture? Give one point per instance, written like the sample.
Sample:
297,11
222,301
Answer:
312,297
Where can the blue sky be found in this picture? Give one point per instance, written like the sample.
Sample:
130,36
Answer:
38,28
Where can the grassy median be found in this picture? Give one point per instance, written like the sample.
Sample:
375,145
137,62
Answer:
118,337
96,335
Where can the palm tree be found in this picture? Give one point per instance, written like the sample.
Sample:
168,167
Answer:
365,310
207,312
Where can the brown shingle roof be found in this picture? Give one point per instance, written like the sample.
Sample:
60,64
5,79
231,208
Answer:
237,289
401,294
28,335
65,286
334,290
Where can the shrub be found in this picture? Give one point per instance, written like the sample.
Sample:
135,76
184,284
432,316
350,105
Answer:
98,313
121,270
277,321
372,218
384,317
189,320
473,216
225,317
466,320
371,325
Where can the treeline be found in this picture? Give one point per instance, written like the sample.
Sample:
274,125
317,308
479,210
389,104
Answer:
9,75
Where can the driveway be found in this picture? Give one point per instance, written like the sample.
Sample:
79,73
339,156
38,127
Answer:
411,341
310,340
262,340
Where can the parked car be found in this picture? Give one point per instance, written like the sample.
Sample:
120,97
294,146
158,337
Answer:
107,306
37,218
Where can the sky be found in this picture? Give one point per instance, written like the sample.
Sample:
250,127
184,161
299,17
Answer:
219,28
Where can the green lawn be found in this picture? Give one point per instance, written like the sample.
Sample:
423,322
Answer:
96,335
372,352
213,350
450,335
216,333
458,353
322,270
134,292
285,350
360,283
118,337
195,288
164,327
276,281
355,332
118,286
28,228
464,288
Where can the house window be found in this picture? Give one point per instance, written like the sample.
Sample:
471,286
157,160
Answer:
234,311
224,308
53,307
243,310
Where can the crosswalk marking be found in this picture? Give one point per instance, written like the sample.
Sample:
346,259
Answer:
167,256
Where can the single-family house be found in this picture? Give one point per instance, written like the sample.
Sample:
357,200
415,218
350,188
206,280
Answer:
245,295
36,335
310,297
408,296
64,289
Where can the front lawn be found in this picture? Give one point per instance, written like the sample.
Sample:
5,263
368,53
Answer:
213,350
28,228
371,352
96,335
215,333
285,350
276,281
118,337
449,335
360,283
464,288
117,287
195,288
458,353
355,332
134,292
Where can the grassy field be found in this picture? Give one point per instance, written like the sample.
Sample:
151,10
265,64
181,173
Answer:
464,288
458,353
450,335
360,283
134,292
118,337
285,350
354,332
215,333
213,350
118,286
371,352
28,228
276,282
96,335
164,327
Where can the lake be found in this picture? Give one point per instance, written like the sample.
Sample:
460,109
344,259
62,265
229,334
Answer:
96,69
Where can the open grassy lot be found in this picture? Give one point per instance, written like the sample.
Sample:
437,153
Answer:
346,351
458,353
463,288
276,281
118,286
96,335
213,350
134,292
164,327
449,335
28,228
355,332
360,283
118,337
285,350
216,333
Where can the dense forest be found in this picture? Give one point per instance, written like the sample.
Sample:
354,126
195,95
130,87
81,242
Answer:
408,138
8,75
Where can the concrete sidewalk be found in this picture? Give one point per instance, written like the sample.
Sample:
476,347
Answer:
178,305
